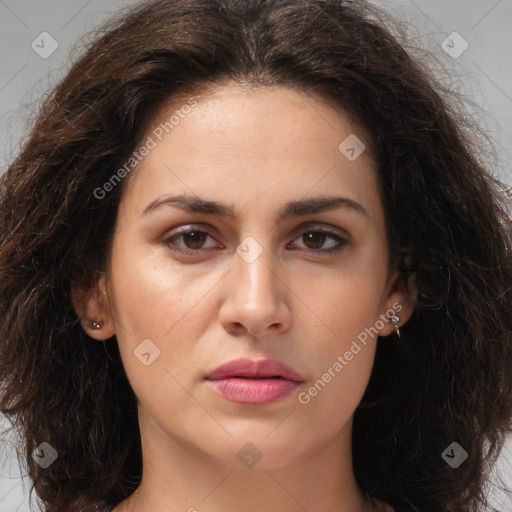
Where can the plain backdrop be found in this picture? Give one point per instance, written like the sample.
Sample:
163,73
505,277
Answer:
470,40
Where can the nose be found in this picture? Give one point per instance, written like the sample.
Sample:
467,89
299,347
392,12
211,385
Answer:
256,298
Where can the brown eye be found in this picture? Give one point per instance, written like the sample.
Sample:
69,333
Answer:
314,240
193,241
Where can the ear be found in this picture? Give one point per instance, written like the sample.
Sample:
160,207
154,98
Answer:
92,305
398,301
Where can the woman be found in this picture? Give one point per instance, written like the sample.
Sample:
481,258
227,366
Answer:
220,211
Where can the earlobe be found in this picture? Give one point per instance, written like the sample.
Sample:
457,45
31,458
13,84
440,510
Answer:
92,308
398,306
399,313
95,325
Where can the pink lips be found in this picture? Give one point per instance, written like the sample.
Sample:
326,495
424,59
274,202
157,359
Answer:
254,382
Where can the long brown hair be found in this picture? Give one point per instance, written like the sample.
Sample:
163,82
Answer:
447,379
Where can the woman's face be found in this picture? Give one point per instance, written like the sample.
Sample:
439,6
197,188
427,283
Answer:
252,262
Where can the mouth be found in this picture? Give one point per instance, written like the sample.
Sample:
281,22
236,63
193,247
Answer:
254,382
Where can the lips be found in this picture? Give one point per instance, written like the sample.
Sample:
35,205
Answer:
254,382
264,368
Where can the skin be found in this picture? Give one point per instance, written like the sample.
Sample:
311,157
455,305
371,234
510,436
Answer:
254,149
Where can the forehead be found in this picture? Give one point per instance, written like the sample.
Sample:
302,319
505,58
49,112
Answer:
253,141
290,111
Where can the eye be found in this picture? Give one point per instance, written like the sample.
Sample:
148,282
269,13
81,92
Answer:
192,238
314,239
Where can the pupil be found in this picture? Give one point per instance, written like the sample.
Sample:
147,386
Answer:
317,238
196,237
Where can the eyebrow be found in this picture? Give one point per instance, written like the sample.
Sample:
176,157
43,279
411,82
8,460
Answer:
195,204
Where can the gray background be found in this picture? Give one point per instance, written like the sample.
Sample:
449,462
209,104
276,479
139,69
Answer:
483,73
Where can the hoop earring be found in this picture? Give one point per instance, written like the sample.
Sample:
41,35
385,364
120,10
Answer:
395,321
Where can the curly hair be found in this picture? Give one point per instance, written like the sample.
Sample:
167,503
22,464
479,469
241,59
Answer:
447,379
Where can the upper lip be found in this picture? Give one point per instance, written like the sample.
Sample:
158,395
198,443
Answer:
248,368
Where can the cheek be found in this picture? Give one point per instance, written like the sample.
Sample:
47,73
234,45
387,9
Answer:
341,359
149,291
343,302
328,403
346,305
158,300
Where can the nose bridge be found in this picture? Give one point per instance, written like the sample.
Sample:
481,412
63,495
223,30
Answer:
254,276
254,297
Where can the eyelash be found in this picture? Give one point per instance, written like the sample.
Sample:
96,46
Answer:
341,241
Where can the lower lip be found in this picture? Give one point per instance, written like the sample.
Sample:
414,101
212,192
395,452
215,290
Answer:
254,391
